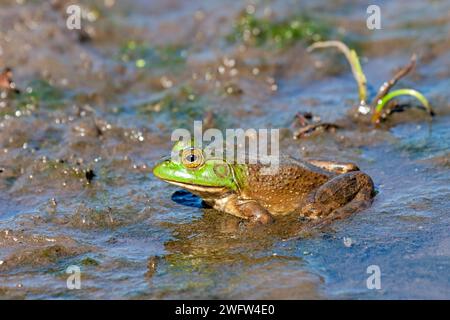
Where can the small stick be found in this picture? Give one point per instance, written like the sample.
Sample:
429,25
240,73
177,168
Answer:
384,89
309,129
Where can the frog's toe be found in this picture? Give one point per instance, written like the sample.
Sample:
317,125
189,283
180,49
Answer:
313,210
262,217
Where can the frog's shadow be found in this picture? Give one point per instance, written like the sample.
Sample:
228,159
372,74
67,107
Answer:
188,199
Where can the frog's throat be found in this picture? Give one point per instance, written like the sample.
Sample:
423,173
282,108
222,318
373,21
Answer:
198,188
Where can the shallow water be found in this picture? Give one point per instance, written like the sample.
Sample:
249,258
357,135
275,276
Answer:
87,105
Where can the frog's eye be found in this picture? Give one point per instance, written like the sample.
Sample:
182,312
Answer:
192,158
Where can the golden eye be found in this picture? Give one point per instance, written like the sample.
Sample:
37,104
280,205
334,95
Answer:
192,158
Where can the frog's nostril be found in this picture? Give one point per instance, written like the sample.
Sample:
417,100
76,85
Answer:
164,159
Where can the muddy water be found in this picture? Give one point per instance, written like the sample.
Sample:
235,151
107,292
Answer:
103,101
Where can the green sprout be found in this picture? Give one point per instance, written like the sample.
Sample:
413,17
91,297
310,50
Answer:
384,95
181,105
263,31
401,92
143,55
39,94
353,60
42,92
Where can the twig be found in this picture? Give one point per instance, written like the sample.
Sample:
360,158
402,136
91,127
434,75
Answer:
384,89
311,128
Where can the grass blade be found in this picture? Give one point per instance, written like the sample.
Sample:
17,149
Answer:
353,60
400,92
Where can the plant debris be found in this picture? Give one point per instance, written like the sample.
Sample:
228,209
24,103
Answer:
6,81
384,95
90,175
310,124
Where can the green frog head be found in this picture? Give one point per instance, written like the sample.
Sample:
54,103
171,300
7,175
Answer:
189,167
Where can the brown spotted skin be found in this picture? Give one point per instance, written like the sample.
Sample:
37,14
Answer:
303,188
281,193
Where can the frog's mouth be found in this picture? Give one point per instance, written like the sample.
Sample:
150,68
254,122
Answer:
198,188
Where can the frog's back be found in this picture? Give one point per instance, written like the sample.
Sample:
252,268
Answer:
282,191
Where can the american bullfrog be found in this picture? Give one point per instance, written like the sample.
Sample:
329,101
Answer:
313,189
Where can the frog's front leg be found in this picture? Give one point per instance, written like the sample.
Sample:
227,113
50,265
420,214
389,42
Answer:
244,208
338,167
339,197
255,212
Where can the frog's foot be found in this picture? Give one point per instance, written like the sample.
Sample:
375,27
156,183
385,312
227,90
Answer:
254,212
337,167
339,197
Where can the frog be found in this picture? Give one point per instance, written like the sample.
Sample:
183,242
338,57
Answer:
313,189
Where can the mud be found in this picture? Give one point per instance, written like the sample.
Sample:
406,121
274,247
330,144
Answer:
96,109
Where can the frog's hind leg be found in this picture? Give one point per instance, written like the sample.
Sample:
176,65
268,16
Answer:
343,212
339,197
